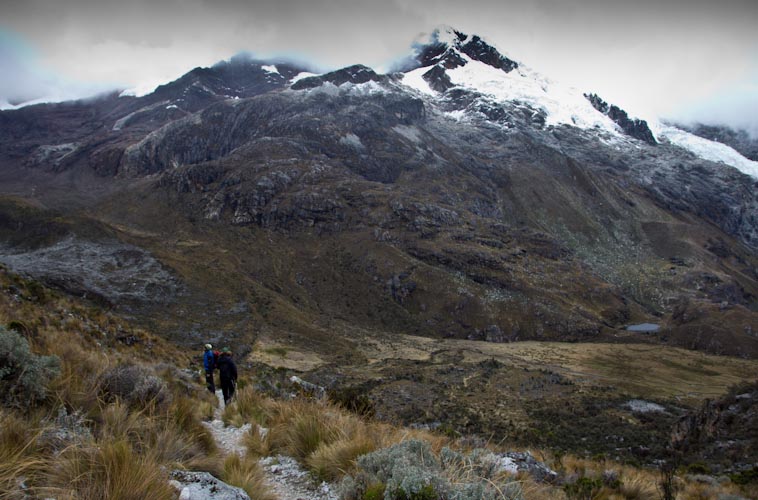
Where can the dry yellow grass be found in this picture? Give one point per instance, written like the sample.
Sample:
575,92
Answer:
690,376
247,474
305,429
638,485
19,456
634,483
80,372
332,461
117,421
109,469
388,435
276,355
256,444
247,406
185,415
325,438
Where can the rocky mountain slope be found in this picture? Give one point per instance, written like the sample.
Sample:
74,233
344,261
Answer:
463,196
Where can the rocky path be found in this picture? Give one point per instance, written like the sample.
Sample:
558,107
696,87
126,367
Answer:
285,476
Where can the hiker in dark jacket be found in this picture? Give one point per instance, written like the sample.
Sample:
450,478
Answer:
209,363
227,371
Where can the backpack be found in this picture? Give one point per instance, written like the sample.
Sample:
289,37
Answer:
216,355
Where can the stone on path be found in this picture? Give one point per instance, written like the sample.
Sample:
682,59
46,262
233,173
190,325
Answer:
203,486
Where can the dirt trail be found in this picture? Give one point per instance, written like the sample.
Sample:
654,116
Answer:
285,476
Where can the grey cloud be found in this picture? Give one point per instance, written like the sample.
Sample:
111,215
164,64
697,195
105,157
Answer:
24,80
649,55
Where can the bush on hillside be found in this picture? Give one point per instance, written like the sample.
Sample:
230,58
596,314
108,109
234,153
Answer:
24,376
135,385
410,471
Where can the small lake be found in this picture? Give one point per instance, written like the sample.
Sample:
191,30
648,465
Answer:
644,327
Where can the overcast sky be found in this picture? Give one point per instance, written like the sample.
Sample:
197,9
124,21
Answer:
686,59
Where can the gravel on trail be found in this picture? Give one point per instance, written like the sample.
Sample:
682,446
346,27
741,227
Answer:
285,476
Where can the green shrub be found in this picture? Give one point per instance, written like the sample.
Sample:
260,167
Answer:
20,328
374,492
353,399
424,493
698,468
585,488
745,477
410,471
37,291
24,376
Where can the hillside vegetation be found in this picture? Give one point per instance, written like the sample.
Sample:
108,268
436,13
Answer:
106,410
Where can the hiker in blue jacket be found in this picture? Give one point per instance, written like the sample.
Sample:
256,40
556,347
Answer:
209,363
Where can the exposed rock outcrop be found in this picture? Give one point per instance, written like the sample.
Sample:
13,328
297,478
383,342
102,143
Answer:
111,272
723,432
633,127
352,74
203,486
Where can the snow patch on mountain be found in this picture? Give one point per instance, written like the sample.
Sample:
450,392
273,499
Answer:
414,79
457,115
410,133
367,88
348,88
561,103
270,69
707,149
141,90
353,141
300,76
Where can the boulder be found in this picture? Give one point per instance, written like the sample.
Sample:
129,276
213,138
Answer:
515,462
203,486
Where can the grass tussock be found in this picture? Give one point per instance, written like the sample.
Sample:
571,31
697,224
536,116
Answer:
186,416
604,479
81,440
256,442
247,474
101,447
109,470
204,405
299,428
81,371
248,406
540,491
123,454
706,488
637,485
117,421
332,461
326,438
19,456
305,433
387,435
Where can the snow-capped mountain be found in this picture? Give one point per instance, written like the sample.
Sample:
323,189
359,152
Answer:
449,59
467,62
464,195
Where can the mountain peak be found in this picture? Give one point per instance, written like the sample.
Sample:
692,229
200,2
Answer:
451,48
355,74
